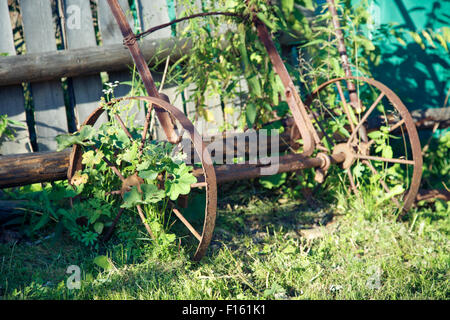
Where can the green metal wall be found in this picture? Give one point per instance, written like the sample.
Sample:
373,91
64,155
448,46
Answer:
420,77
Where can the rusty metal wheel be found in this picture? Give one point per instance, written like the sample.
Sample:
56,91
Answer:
376,134
205,172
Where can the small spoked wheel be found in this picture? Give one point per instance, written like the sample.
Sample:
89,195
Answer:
376,135
190,148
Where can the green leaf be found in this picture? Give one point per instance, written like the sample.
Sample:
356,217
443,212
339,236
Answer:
181,182
103,262
148,174
98,227
395,191
254,85
402,42
274,181
151,193
87,132
313,42
121,140
131,153
266,21
250,114
309,4
131,198
441,41
375,135
358,170
417,39
289,249
387,152
275,290
446,33
287,6
428,37
64,141
90,158
367,44
45,218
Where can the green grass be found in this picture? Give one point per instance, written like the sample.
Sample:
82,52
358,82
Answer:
265,247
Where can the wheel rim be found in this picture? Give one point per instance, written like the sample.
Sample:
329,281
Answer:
382,108
207,180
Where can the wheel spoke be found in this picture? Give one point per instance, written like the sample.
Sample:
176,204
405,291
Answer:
199,185
147,227
394,127
393,160
119,119
352,182
114,192
346,110
187,224
366,115
146,126
112,166
382,182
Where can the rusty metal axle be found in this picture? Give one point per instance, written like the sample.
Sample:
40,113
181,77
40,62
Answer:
24,169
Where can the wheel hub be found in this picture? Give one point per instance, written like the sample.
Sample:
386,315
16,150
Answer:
347,150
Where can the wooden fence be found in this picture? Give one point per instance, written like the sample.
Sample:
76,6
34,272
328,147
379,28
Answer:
61,106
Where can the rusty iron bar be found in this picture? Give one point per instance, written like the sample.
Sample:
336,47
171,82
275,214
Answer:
53,167
187,224
286,163
193,16
431,195
304,124
354,100
142,67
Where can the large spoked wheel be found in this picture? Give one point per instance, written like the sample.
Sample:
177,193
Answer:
205,173
376,134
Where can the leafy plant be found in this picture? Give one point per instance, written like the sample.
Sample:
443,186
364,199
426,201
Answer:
437,163
161,173
7,127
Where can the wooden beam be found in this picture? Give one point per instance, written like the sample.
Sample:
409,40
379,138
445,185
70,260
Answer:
48,98
23,169
38,67
17,170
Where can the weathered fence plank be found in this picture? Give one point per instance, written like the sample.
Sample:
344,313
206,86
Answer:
77,62
80,33
153,13
111,34
11,97
50,111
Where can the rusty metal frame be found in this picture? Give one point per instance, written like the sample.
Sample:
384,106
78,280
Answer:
343,154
